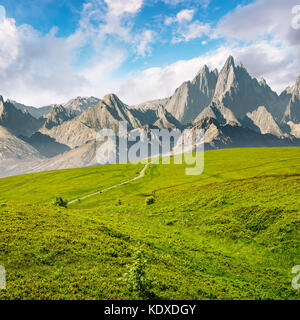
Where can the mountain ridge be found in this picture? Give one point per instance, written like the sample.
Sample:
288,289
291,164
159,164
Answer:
234,109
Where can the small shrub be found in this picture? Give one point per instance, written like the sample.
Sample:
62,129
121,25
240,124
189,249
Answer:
150,201
135,276
59,202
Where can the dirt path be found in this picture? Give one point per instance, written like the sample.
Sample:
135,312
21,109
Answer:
141,175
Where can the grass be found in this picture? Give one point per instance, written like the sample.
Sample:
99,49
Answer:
231,233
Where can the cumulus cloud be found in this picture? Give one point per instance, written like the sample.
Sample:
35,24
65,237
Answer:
144,41
192,31
187,29
40,69
120,7
35,67
259,19
266,25
182,16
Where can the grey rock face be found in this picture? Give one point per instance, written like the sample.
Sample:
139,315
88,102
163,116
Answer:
18,122
45,145
12,147
236,136
35,112
216,110
292,97
80,157
106,114
193,96
165,120
295,129
77,106
57,116
241,93
152,105
80,104
263,122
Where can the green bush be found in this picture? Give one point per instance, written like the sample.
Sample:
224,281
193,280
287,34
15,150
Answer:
150,201
59,202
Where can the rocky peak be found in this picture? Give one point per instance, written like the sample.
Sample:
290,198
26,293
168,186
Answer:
193,96
226,78
57,116
296,90
204,70
229,62
80,104
18,122
112,100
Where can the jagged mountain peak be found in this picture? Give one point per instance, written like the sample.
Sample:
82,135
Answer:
229,63
291,96
204,70
18,122
80,104
193,96
57,116
113,100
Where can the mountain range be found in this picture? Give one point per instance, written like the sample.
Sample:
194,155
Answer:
234,109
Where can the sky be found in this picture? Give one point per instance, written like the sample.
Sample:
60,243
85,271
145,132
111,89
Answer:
55,50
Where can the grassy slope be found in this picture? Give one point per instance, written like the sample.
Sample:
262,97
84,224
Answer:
232,232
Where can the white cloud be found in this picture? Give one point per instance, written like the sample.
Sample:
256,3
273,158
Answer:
186,29
40,69
143,42
262,59
33,67
192,31
266,25
259,19
120,7
182,16
156,83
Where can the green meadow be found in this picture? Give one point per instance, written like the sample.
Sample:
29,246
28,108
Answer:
231,233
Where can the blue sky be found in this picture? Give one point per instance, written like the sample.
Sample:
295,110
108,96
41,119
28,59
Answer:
54,50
